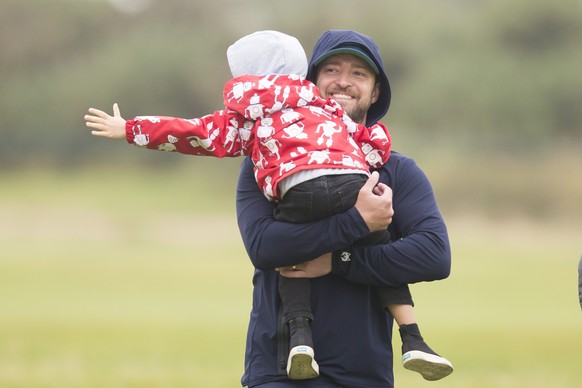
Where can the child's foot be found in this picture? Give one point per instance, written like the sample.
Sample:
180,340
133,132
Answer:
430,365
417,356
301,363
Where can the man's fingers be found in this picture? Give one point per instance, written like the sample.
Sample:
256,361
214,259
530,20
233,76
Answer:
289,268
292,273
371,182
382,189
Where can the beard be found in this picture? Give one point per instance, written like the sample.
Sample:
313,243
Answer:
358,114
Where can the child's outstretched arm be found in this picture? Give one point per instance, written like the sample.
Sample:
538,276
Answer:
105,125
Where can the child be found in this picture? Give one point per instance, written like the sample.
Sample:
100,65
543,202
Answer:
298,141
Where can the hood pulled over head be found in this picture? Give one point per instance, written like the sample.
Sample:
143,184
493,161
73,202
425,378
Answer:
267,52
334,42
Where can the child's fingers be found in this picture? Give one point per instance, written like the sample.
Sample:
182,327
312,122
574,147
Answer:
116,112
99,133
98,126
93,119
98,113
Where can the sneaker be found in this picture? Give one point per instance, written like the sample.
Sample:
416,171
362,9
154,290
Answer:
417,356
301,364
431,366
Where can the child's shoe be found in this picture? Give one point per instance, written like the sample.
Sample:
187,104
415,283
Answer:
301,363
417,356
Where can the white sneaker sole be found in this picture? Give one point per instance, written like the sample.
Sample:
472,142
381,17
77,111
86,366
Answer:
301,364
430,366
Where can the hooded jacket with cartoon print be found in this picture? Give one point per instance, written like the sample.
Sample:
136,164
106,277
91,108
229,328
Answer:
281,121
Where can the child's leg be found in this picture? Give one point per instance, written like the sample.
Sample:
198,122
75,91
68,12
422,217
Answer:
309,201
416,354
403,313
296,300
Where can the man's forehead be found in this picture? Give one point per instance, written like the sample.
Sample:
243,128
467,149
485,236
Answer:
347,58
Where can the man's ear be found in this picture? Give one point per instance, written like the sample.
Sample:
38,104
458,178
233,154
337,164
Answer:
376,92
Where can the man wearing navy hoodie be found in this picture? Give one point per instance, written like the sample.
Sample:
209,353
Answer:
352,335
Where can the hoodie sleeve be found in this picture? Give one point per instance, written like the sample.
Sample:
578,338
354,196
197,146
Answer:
271,244
420,250
255,97
221,134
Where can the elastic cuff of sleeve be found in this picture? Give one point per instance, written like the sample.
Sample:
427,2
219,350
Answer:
341,261
129,133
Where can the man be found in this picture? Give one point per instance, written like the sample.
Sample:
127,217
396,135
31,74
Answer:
350,329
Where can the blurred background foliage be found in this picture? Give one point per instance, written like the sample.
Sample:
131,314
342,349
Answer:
486,93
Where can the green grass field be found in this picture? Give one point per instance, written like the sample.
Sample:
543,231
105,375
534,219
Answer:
108,280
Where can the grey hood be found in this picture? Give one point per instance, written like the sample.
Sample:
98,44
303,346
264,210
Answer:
267,52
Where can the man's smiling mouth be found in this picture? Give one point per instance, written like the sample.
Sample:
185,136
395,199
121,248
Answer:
336,96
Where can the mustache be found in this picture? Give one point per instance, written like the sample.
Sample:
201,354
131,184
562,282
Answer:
347,90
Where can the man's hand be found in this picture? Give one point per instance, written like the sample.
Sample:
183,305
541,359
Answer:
315,268
375,204
104,125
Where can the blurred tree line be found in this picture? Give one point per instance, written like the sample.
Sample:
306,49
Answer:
477,73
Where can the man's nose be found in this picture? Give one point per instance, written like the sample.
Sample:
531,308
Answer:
343,80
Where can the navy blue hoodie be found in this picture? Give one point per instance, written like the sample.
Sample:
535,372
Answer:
336,39
352,332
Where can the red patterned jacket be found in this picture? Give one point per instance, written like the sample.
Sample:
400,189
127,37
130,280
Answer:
281,121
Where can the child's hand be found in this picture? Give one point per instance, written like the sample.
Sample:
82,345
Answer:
105,125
